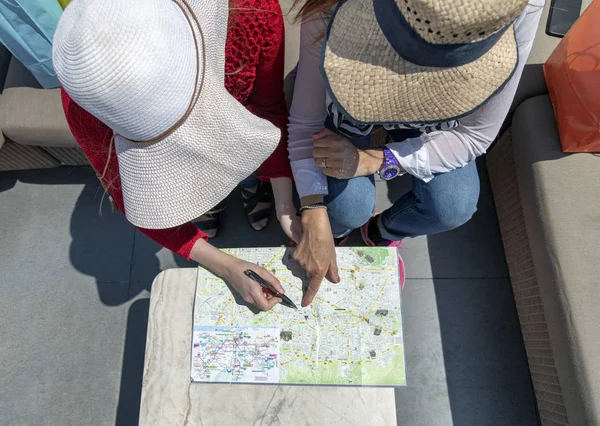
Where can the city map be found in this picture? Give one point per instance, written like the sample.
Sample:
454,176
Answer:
350,335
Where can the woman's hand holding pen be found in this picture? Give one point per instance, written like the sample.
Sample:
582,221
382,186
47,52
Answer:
232,270
250,290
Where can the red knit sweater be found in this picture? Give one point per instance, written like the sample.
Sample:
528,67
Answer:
254,59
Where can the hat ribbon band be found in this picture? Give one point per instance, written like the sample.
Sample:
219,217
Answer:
413,48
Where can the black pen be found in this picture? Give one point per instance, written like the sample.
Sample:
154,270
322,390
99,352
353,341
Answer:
285,301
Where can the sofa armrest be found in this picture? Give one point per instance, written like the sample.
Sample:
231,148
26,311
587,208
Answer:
532,84
560,198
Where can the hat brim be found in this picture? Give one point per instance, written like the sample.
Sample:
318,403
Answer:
182,176
371,83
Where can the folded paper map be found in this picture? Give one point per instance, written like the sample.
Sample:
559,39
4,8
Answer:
350,335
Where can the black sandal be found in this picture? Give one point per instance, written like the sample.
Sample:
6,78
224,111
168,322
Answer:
263,194
210,220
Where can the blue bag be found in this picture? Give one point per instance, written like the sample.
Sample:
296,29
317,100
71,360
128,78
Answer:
26,29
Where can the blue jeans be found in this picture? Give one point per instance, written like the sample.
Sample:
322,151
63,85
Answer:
444,203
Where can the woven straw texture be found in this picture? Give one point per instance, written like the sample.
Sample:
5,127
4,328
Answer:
454,22
68,156
187,173
374,84
14,156
549,395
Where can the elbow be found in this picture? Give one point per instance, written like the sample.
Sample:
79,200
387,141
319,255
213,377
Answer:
478,148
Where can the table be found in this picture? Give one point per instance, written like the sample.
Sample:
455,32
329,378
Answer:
169,398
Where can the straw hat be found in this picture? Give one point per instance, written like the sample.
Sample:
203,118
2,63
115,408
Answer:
407,61
153,71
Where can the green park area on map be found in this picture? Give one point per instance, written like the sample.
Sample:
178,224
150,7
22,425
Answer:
350,335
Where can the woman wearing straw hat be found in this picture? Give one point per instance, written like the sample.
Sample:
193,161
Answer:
437,75
169,133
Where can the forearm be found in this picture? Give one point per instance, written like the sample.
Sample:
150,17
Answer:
282,193
308,111
211,258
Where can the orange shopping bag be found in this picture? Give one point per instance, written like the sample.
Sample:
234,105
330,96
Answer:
573,78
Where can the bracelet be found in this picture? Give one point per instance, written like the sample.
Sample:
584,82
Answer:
311,207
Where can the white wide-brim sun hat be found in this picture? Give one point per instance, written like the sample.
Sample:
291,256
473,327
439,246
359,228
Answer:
153,71
418,61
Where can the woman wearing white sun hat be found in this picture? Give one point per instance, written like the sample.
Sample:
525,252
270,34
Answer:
437,75
144,85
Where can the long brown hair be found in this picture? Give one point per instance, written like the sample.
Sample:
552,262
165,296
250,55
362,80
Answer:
312,7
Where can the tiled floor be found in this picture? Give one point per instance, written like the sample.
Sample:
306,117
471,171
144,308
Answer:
74,290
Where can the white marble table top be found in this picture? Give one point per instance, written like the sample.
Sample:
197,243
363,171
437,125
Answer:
169,398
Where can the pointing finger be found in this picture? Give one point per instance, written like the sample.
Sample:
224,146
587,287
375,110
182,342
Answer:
313,288
333,274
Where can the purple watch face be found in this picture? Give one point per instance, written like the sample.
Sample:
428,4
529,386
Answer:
389,172
390,168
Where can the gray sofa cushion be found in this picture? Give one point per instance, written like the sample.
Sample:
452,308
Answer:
30,115
561,203
532,83
34,117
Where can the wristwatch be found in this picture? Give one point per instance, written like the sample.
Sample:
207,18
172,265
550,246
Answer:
390,168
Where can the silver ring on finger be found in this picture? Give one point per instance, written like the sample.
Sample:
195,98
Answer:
324,163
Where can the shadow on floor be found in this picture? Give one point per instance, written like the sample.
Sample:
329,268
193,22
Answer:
101,242
134,351
102,246
8,181
124,262
483,352
481,336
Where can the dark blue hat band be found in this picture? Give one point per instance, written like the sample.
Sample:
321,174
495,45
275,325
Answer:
413,48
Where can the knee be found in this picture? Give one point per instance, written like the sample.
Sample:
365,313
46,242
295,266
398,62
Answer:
352,207
352,218
453,212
